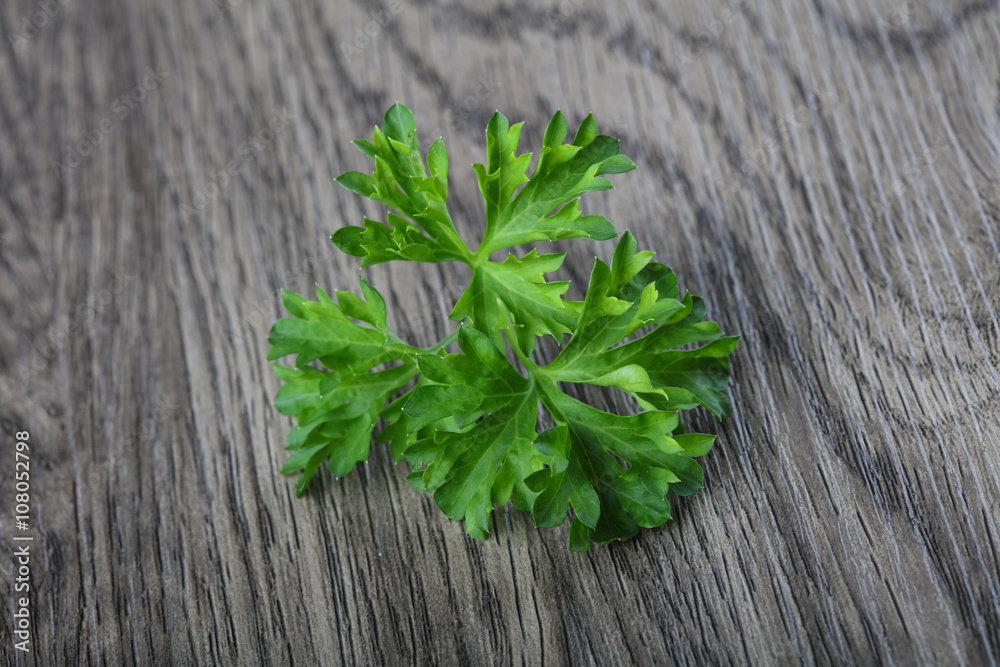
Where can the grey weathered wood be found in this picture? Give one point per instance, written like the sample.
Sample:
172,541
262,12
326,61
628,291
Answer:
825,174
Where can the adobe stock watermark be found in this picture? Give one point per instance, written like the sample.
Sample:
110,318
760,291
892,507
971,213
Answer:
261,316
364,36
615,127
121,108
694,47
223,7
876,207
263,311
486,85
161,412
901,16
85,313
561,12
30,26
757,158
246,153
96,478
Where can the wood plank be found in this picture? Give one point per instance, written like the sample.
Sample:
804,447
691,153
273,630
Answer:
825,174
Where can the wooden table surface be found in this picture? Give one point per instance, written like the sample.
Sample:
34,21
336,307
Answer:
825,173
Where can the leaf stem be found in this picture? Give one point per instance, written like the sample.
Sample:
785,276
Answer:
545,385
393,339
446,341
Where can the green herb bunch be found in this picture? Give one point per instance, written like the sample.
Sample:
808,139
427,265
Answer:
468,421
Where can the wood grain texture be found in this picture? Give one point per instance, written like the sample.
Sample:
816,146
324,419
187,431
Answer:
825,173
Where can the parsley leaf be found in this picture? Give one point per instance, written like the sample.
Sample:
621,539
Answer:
467,422
564,172
613,471
402,182
338,404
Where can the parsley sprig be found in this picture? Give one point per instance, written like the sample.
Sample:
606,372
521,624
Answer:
468,422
